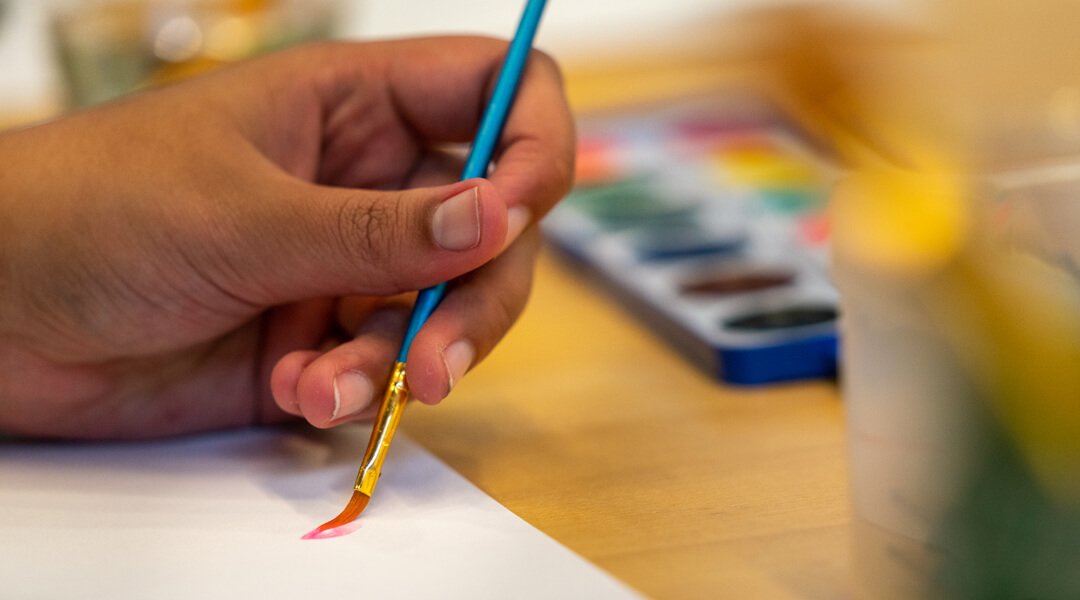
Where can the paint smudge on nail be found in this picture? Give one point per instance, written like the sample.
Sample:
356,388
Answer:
318,534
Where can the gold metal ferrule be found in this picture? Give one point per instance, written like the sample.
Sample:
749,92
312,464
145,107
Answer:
397,392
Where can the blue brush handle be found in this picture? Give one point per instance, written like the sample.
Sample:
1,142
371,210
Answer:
491,125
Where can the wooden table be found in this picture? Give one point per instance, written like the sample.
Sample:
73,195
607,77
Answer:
591,429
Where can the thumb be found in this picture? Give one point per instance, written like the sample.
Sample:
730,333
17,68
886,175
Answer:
316,241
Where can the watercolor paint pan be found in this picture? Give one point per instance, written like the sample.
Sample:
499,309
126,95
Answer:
706,219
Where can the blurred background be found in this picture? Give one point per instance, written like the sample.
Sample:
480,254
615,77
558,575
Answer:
61,53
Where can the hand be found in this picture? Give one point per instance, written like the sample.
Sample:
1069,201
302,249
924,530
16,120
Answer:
163,254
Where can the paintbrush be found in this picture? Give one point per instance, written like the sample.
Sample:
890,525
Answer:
476,165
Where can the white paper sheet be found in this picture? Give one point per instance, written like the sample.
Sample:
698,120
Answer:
221,516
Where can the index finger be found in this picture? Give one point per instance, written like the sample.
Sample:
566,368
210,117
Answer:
441,86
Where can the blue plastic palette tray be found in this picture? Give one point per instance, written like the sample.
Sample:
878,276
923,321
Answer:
707,219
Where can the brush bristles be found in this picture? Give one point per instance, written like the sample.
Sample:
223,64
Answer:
352,510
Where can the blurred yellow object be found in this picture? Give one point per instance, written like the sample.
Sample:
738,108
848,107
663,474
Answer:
757,166
902,222
1014,320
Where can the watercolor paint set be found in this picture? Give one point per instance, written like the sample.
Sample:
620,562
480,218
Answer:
707,219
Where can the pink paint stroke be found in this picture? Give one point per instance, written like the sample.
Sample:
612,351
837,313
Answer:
346,529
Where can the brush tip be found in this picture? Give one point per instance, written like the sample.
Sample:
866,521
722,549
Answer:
352,510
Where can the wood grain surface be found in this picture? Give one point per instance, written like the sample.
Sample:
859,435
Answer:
589,428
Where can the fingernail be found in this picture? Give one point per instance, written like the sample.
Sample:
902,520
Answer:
517,219
457,358
456,224
352,392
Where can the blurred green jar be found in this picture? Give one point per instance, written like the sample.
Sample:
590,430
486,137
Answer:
110,47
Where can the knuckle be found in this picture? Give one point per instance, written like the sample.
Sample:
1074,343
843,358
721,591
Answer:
505,310
502,309
531,242
563,176
547,62
366,231
555,183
